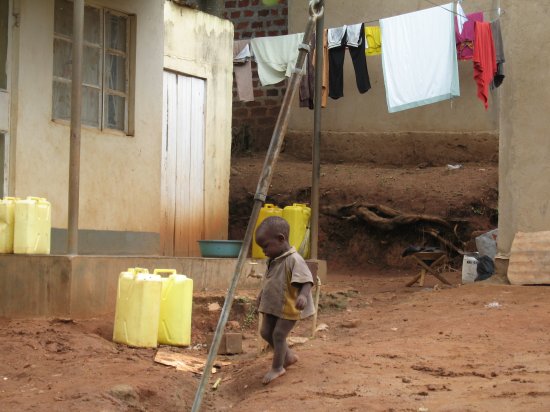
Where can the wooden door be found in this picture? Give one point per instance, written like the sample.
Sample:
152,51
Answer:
182,190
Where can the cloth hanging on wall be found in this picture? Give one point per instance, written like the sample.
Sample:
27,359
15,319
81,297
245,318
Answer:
460,18
307,82
358,58
243,70
465,39
419,60
276,56
335,36
324,98
374,40
485,61
499,51
324,81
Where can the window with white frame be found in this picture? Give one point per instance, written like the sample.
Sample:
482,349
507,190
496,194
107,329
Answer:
105,66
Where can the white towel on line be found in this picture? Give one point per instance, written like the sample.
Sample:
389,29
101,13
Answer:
276,56
419,60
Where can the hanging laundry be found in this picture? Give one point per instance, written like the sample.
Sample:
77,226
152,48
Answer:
324,80
354,38
276,56
335,36
485,61
307,82
374,40
465,39
243,70
419,60
499,51
460,17
326,68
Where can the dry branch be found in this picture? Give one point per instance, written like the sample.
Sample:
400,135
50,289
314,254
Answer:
381,216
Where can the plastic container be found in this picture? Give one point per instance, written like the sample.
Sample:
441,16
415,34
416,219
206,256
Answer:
298,216
220,248
486,243
469,268
32,226
176,306
7,216
137,310
266,211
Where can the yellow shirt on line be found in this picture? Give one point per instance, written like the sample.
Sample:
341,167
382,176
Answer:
374,40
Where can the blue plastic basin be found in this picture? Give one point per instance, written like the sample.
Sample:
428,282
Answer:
220,248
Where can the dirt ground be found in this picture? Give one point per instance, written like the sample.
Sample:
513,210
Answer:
383,346
466,197
480,347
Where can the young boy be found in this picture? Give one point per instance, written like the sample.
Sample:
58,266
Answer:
286,293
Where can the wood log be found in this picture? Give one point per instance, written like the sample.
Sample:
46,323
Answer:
381,216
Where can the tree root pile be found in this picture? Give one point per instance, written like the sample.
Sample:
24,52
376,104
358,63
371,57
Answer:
388,219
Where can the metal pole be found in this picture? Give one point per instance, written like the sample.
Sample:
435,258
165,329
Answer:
76,110
316,145
259,198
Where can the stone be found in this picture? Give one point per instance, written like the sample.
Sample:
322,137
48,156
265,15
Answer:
233,325
230,344
351,323
126,393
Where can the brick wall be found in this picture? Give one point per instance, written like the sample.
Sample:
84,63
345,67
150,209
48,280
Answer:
253,122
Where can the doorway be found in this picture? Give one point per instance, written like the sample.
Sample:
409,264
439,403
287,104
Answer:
182,169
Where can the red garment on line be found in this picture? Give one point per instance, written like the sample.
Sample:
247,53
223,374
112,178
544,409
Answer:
485,60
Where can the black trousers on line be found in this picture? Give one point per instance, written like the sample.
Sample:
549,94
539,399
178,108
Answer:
336,67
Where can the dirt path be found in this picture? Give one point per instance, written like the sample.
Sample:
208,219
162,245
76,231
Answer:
444,349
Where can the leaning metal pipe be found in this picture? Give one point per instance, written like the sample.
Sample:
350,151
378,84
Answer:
316,146
315,10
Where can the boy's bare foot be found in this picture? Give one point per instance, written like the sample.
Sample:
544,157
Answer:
290,359
273,374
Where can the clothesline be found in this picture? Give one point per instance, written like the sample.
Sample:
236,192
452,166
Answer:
275,57
498,10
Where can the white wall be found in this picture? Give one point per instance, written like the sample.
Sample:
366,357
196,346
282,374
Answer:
120,175
524,169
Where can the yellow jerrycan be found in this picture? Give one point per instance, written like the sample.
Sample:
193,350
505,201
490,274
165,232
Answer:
137,308
7,217
267,210
298,216
33,225
176,305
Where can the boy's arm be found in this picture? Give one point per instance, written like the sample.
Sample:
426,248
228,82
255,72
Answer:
301,300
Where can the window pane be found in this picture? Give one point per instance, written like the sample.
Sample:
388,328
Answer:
62,64
114,112
90,66
90,106
63,21
61,101
92,32
115,32
115,72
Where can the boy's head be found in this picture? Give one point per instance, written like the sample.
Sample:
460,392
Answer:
272,236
